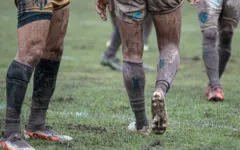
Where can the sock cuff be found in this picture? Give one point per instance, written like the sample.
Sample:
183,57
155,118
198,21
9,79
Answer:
39,108
133,62
165,83
19,71
48,66
10,120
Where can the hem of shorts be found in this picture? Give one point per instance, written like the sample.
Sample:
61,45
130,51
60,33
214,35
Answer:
60,7
166,12
127,18
36,17
130,21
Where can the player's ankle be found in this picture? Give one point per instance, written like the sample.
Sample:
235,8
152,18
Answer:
141,119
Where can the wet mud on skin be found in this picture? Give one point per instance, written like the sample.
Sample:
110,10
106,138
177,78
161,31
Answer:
132,41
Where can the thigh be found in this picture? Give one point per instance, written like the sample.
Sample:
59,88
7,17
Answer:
229,18
132,40
31,42
56,34
164,6
208,13
131,11
168,29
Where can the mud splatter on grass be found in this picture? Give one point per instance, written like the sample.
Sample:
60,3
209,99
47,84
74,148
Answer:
87,128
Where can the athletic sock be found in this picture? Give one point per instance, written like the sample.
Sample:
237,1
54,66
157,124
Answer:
210,55
45,77
134,81
167,68
224,50
163,85
17,79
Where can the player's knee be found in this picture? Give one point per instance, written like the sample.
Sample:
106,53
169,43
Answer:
31,57
53,53
225,41
210,34
226,37
133,58
132,52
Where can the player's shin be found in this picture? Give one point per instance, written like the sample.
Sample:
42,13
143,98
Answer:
45,77
17,79
134,81
210,55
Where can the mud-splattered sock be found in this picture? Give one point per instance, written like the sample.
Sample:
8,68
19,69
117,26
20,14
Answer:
167,68
18,76
224,50
210,55
45,77
134,81
164,85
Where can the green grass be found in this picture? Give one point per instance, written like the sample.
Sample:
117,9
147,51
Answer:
94,99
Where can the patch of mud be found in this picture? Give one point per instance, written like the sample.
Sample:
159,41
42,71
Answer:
154,145
193,58
123,107
87,128
64,99
60,145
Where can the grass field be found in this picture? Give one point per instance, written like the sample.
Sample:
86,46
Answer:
91,105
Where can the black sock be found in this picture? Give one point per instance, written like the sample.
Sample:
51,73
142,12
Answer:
224,50
18,76
134,81
210,55
45,77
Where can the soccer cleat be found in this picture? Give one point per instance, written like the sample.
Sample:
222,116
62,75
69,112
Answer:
113,63
215,93
15,142
47,134
159,112
144,131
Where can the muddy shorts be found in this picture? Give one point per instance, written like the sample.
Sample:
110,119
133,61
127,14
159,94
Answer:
218,13
33,10
134,11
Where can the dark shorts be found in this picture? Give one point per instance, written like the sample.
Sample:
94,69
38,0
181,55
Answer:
134,11
218,13
33,10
